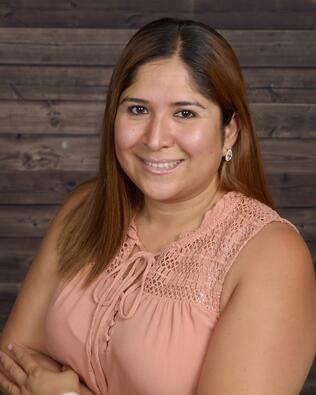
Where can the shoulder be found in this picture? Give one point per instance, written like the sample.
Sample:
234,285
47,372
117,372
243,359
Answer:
250,225
248,216
259,239
44,264
47,253
279,252
251,208
26,321
266,231
268,237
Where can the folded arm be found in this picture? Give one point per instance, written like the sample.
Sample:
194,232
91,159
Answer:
26,322
49,363
30,373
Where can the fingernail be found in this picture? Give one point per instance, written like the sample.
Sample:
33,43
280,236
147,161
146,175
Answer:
10,347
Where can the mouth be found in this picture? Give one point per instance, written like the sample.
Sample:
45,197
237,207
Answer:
162,166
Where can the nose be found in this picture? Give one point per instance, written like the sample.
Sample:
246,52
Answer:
158,134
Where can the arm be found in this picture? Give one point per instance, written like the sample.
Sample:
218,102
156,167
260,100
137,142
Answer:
25,325
25,322
49,363
27,372
41,385
265,340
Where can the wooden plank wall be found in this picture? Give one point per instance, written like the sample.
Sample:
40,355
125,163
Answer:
225,14
56,59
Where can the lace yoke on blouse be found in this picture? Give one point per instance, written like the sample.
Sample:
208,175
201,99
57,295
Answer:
143,326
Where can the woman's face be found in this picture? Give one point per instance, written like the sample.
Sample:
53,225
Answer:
167,135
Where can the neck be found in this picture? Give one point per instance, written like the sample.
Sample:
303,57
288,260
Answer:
179,214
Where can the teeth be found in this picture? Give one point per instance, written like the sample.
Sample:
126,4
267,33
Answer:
166,165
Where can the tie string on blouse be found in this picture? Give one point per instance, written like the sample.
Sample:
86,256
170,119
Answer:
125,282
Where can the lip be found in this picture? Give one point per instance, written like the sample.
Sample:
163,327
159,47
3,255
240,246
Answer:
160,171
152,160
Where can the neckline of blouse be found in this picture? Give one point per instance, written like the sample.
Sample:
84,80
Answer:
210,216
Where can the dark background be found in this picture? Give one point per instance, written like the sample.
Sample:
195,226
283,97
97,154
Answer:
56,58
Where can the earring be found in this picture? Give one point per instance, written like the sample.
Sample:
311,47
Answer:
228,155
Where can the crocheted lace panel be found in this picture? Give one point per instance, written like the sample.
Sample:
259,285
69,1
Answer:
193,268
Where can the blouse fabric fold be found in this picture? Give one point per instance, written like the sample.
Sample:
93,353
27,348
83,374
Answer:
143,326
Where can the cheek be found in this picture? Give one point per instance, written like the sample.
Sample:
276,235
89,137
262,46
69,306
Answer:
201,140
125,134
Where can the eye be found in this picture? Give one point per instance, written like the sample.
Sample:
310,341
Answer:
136,110
186,114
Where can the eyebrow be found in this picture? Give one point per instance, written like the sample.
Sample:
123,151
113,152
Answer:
177,103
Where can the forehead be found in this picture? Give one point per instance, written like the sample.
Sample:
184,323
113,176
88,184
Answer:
164,73
165,81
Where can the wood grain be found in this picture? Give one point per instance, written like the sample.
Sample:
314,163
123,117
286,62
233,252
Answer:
272,48
85,118
289,189
32,221
33,153
90,83
126,14
53,85
47,187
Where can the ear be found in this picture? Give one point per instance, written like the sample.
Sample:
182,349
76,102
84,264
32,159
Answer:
231,132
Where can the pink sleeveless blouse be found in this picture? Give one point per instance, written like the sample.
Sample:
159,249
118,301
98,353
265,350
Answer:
143,326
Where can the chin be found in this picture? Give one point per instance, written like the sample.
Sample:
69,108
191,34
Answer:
160,196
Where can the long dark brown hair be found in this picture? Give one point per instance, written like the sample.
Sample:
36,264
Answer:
95,229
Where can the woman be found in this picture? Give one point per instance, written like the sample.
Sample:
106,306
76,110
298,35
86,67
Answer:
171,272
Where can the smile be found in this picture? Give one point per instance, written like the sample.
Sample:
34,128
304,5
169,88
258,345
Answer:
161,167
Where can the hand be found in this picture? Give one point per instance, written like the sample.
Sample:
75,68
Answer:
23,376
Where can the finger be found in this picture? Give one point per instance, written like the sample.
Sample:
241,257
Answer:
23,358
11,369
7,387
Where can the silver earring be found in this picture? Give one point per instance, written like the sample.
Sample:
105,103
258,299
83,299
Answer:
228,155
